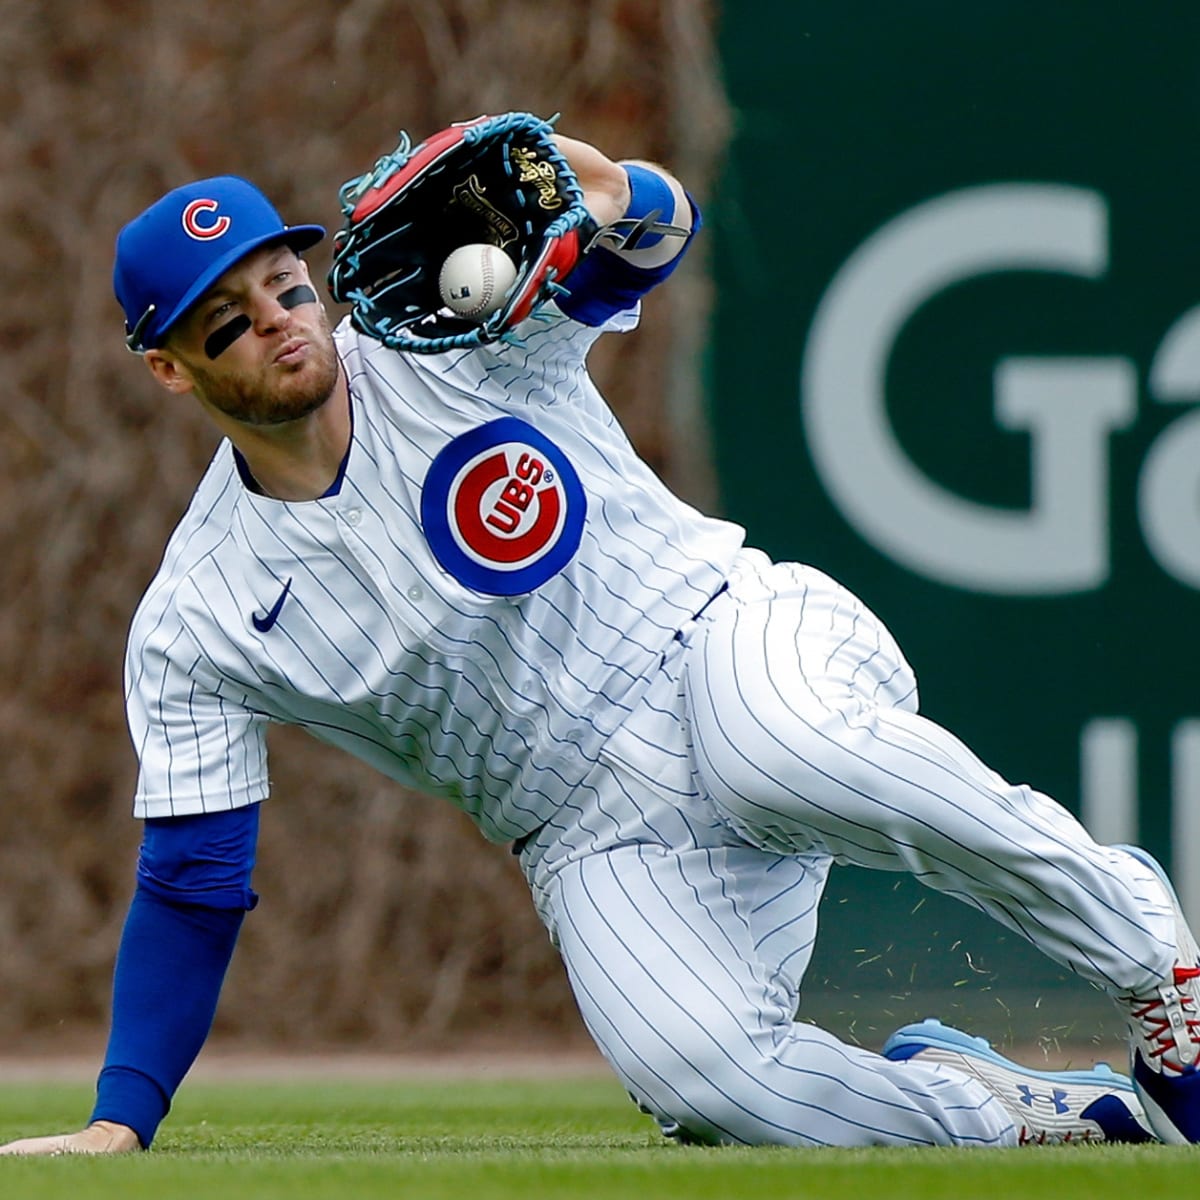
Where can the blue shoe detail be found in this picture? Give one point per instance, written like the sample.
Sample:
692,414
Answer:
1166,1074
1044,1106
899,1051
912,1039
1116,1120
1172,1101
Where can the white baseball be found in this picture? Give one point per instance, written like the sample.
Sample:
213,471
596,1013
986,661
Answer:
474,278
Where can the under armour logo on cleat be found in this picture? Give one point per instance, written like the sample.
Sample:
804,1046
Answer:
262,624
1057,1097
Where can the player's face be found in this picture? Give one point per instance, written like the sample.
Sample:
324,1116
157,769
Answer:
257,347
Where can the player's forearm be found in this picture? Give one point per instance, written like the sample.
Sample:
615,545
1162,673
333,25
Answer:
170,968
605,185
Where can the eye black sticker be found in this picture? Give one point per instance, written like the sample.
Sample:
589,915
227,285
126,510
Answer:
295,296
221,339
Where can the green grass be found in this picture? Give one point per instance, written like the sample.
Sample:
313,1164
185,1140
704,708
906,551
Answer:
492,1139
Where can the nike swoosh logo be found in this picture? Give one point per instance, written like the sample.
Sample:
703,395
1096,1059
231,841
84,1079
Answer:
262,624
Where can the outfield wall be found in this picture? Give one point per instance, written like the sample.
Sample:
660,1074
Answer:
955,362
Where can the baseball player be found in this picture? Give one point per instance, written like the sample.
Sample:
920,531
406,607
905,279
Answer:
454,566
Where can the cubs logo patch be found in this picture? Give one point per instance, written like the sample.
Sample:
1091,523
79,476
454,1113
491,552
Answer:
502,508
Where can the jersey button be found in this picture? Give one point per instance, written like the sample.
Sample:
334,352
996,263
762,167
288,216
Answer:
353,516
415,593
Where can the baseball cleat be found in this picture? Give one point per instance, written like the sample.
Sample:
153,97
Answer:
1046,1106
1164,1034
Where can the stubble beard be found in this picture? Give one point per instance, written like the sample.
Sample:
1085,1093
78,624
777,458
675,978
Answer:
272,398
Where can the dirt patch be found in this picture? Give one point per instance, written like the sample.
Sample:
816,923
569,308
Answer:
482,1059
235,1061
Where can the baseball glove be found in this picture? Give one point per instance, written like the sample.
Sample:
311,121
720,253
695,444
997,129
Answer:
498,180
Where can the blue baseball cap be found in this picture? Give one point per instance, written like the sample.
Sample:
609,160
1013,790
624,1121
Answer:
171,254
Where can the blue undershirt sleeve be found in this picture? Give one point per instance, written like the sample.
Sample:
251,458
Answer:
192,895
604,283
204,859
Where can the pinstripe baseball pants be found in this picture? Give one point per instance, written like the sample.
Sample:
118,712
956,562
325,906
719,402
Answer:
682,887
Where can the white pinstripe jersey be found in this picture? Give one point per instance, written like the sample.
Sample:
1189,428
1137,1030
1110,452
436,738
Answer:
498,703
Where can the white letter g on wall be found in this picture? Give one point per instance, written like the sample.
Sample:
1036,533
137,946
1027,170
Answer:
1069,406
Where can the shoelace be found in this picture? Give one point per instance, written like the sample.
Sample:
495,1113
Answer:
1027,1137
1172,1012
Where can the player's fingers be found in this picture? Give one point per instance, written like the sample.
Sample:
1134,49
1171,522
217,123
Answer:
56,1144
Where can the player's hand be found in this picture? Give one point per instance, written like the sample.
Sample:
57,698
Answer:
101,1137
